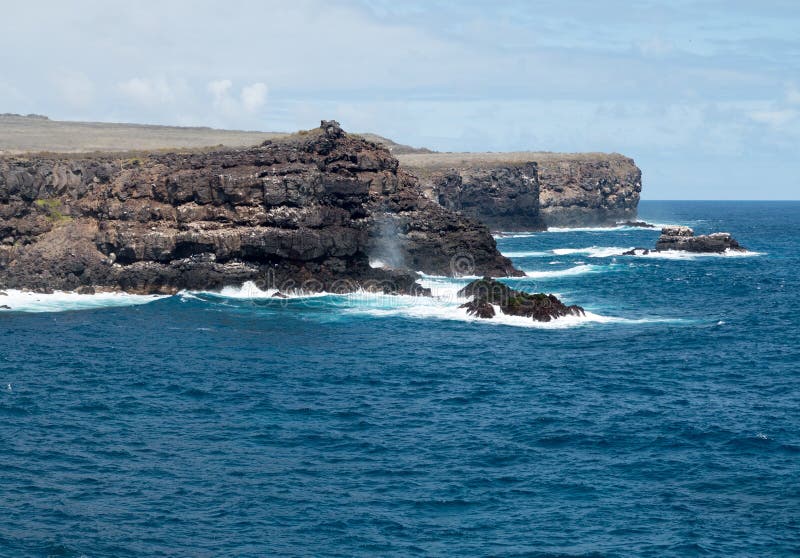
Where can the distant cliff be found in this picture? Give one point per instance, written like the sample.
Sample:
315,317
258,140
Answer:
309,209
528,190
588,189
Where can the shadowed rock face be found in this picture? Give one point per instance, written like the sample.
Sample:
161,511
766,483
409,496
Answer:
529,190
302,211
683,238
577,191
504,197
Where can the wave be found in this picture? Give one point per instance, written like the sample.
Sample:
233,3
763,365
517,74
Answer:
249,291
592,251
614,251
656,227
582,269
682,255
527,254
438,311
60,301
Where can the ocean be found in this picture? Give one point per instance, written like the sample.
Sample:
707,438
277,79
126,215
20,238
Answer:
665,423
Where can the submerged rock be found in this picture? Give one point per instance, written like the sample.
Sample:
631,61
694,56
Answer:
683,238
487,293
638,224
637,252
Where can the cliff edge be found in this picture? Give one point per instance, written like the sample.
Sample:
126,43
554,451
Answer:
531,190
305,211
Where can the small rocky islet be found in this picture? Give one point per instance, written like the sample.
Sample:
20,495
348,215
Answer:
487,293
683,239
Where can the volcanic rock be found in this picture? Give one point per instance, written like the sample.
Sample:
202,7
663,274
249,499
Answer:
299,213
488,292
683,238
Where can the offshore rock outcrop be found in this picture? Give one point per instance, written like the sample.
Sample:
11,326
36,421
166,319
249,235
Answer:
683,238
487,293
301,212
583,190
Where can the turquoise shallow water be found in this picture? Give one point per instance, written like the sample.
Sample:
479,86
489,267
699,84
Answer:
668,424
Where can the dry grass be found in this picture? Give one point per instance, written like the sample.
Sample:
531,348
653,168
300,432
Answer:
20,134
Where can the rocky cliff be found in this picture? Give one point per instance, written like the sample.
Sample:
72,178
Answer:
308,210
579,190
504,195
529,191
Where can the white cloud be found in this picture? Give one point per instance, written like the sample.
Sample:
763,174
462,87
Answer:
220,91
75,88
149,92
254,96
251,98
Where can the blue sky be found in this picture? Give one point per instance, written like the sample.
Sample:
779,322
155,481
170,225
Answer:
705,95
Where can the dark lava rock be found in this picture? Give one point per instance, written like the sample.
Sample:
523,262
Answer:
305,212
636,252
480,308
683,238
85,290
639,224
5,307
488,292
279,295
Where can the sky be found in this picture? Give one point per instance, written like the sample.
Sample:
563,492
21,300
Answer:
703,94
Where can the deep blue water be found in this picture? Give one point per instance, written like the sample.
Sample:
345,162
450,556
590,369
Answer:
201,425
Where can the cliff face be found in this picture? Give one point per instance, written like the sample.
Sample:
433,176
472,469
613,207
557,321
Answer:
529,191
585,190
504,197
305,211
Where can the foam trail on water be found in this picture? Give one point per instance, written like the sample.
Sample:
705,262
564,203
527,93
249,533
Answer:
249,290
60,301
526,254
592,251
682,255
583,269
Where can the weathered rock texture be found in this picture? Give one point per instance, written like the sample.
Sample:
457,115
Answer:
302,211
528,190
588,190
683,238
504,197
487,293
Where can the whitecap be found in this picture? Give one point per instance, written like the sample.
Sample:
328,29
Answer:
60,301
526,254
582,269
592,251
683,255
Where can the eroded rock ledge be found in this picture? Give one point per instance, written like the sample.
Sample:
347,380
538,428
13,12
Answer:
307,211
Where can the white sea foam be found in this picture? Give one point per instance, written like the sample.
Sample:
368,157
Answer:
250,290
582,269
59,301
682,255
592,251
527,254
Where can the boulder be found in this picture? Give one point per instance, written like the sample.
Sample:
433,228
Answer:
684,239
487,293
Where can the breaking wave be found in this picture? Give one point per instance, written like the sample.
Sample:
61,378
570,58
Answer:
582,269
59,301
